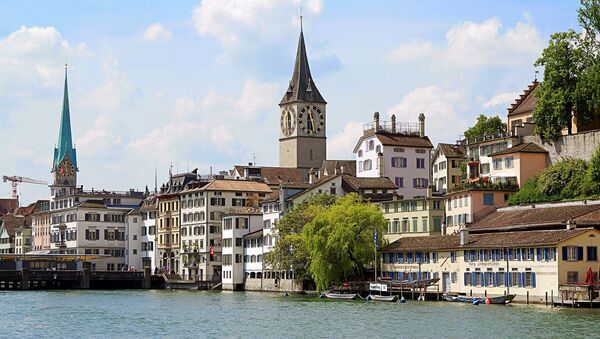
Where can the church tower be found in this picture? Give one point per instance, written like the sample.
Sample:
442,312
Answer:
64,166
302,141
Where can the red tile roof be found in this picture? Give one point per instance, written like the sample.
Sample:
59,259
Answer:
529,147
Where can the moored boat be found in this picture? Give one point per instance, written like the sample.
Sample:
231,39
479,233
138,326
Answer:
460,298
502,300
341,296
388,298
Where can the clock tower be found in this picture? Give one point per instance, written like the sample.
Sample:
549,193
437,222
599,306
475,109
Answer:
302,140
64,165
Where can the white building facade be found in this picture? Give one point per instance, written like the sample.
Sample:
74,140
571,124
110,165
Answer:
235,227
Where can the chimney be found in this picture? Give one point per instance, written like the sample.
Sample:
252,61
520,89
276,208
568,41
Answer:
393,123
380,171
376,121
444,230
422,125
571,225
464,236
312,178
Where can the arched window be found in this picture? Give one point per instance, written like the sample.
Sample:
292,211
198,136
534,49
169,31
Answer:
378,149
360,153
370,145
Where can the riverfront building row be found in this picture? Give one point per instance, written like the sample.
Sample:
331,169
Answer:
445,206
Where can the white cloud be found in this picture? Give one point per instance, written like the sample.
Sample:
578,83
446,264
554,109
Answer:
114,90
230,20
412,50
441,108
470,45
35,56
342,144
500,99
98,139
183,106
256,97
156,32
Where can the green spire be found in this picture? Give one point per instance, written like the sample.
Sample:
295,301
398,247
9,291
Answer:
65,148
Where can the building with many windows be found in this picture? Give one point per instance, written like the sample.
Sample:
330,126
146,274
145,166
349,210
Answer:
466,206
40,223
236,258
149,213
518,164
526,263
446,170
413,217
398,151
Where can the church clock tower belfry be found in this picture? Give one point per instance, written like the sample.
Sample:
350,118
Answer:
64,165
302,141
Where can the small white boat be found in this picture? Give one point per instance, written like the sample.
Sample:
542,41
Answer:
343,296
388,298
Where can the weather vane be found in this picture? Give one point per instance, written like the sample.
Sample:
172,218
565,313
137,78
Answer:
300,15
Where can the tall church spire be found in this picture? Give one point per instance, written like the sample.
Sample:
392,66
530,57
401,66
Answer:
302,86
64,148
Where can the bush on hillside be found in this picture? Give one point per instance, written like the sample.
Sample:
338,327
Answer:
563,179
530,193
591,183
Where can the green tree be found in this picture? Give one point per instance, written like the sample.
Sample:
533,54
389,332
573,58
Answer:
339,240
589,20
485,126
591,184
290,248
564,179
530,193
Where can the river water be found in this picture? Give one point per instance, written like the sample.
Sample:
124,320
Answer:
193,314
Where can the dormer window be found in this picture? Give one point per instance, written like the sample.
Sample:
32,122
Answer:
370,145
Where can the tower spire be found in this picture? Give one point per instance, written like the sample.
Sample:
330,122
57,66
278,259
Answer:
64,148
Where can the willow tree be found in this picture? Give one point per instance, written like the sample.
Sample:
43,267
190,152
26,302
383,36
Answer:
290,251
340,240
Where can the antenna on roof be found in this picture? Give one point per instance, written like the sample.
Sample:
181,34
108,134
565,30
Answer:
535,75
155,181
301,16
254,158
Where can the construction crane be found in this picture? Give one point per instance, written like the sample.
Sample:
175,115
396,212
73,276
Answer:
14,180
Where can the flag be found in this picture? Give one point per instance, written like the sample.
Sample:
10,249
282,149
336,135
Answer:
212,251
376,241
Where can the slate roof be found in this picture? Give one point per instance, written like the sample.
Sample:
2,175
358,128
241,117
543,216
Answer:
64,148
529,147
149,204
452,151
528,217
274,175
369,183
485,240
526,101
302,86
389,139
330,166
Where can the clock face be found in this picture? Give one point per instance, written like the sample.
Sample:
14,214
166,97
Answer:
311,119
287,123
66,169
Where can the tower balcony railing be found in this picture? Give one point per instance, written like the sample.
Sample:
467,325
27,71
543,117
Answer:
406,128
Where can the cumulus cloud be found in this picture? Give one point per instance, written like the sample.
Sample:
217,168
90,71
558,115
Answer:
229,21
156,32
500,99
114,90
35,56
441,108
470,45
411,50
183,106
99,139
342,144
256,97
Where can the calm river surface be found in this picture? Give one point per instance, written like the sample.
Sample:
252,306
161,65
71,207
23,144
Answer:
196,314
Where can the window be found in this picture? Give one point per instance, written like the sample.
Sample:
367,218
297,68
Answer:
572,277
217,201
399,162
399,181
415,221
485,168
425,221
398,150
572,253
436,205
488,199
367,165
420,183
378,149
508,162
592,253
360,166
370,145
420,162
497,164
238,242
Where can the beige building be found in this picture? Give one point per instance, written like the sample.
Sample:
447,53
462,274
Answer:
203,207
446,171
466,206
526,263
41,228
518,163
413,217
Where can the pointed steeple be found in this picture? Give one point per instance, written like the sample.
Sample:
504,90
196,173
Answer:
64,148
302,87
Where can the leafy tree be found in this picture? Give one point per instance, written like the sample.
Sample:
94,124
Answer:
339,240
290,248
563,62
591,184
563,179
485,126
530,193
589,19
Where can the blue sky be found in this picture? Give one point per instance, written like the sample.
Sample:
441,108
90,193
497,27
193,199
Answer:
197,83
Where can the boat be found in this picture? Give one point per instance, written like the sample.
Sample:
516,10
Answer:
460,298
501,300
388,298
341,296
